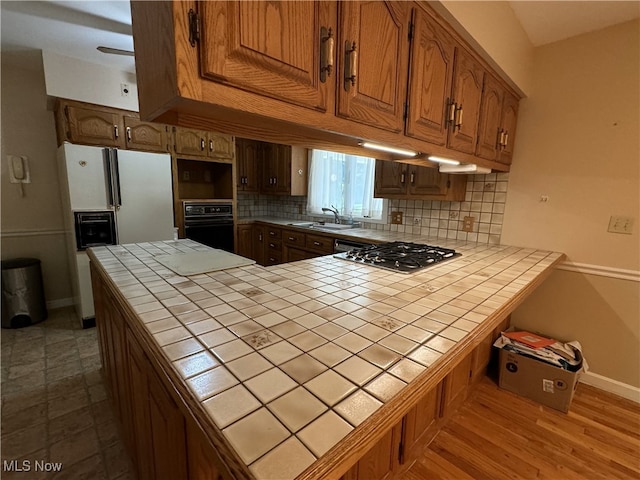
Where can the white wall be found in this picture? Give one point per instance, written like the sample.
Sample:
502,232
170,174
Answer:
578,142
75,79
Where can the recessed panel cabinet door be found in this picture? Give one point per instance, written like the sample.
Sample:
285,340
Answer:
428,181
146,136
468,76
373,54
270,48
490,115
508,125
391,178
430,77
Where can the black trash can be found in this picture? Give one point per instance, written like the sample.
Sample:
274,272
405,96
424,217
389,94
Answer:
22,293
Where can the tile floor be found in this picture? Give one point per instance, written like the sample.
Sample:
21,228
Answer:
54,404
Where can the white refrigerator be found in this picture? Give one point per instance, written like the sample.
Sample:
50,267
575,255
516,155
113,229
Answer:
135,186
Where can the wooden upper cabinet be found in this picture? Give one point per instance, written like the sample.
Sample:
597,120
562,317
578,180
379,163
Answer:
248,154
497,127
373,53
399,180
271,48
146,136
390,179
94,127
430,78
200,143
508,126
285,170
189,141
468,78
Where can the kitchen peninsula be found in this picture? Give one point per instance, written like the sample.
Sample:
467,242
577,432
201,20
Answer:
314,369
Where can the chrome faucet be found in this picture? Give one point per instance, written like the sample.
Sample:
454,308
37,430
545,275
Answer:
333,210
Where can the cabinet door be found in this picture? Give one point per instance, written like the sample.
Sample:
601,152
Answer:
259,242
190,142
509,119
282,170
220,146
248,162
420,424
94,127
467,95
167,432
490,115
138,372
391,178
428,181
382,461
271,48
481,358
373,53
455,387
245,241
145,135
430,76
204,461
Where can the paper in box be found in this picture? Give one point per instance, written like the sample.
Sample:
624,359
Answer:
540,381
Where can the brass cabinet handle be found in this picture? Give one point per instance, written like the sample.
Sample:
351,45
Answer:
275,180
260,237
317,244
459,112
272,233
327,53
115,131
452,112
351,59
500,138
413,177
272,245
291,239
128,133
506,139
202,144
211,145
402,177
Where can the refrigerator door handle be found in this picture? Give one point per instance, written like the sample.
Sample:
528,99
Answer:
106,155
116,178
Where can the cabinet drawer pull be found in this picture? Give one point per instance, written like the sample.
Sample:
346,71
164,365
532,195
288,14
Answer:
402,177
351,59
128,129
317,244
272,245
211,145
452,113
459,112
412,177
327,45
202,144
291,239
506,139
115,131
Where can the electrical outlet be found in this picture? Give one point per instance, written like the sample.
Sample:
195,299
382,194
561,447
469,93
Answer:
467,224
124,89
620,224
396,218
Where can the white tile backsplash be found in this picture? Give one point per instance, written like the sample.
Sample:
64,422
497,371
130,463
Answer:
484,199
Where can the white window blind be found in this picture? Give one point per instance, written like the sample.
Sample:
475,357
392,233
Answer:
344,181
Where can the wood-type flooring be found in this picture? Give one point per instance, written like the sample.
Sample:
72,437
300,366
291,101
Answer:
499,435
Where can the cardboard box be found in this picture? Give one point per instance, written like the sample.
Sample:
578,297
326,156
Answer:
539,381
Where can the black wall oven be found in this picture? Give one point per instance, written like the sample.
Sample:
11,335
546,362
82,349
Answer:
209,223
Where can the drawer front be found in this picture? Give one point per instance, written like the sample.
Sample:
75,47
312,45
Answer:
319,243
273,258
289,237
274,246
274,234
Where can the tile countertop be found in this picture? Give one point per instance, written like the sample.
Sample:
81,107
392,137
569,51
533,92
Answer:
287,360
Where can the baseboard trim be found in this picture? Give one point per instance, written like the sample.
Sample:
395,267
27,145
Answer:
600,270
612,386
59,303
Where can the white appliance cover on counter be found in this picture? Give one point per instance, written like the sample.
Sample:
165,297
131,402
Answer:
194,263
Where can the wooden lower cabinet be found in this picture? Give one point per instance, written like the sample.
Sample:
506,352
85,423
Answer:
244,244
382,461
421,424
455,386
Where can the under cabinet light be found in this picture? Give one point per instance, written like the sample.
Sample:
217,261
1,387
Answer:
384,148
448,161
464,168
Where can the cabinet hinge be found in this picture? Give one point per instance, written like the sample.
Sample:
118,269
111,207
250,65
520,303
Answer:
410,30
194,27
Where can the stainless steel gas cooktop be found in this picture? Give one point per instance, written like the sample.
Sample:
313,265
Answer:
401,257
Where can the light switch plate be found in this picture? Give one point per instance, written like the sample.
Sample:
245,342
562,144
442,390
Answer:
621,224
467,224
